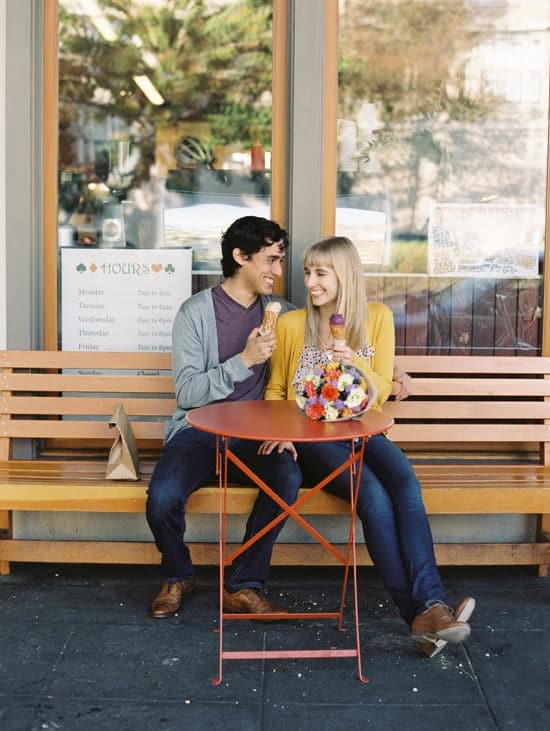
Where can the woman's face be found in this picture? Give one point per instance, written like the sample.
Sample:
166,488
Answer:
322,284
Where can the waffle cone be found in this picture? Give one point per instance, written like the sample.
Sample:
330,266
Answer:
338,332
271,313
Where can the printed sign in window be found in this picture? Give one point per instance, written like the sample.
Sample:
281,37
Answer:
477,240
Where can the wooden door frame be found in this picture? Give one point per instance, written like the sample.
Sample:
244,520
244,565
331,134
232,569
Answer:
50,133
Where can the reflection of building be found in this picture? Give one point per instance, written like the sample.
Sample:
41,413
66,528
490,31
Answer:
481,138
199,226
511,65
367,229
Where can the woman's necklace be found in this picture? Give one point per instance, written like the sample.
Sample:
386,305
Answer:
326,341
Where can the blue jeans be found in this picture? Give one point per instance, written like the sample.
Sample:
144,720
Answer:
390,507
187,462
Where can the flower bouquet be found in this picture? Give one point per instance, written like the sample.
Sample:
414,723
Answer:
335,392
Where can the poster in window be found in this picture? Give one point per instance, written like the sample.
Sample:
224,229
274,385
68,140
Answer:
479,240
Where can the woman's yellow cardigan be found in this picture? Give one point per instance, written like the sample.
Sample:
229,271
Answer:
290,341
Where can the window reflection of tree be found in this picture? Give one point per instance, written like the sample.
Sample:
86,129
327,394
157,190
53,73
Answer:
211,63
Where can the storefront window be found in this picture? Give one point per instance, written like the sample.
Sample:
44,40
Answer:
164,124
442,157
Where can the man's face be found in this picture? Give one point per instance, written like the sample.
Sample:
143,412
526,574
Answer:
258,272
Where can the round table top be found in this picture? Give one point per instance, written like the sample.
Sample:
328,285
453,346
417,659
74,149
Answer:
281,421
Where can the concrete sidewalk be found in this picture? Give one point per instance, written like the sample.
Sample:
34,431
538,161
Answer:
78,651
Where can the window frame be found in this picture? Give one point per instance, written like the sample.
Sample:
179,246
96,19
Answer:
50,151
281,184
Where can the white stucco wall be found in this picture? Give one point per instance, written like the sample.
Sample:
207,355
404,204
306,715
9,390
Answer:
3,306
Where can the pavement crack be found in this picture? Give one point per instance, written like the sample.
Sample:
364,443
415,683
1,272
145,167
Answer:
57,662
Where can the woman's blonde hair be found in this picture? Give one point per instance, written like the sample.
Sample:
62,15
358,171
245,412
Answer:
341,255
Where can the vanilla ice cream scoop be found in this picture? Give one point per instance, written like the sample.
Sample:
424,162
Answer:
271,313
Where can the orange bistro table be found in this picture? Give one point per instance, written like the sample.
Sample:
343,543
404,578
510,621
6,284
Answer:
283,421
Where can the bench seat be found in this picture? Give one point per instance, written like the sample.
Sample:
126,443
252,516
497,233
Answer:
477,429
494,490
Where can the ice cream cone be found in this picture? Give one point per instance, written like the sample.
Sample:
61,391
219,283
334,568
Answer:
338,329
271,313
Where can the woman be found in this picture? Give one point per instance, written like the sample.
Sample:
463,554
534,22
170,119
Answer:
390,507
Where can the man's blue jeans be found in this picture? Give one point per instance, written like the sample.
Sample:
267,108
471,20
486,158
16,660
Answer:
187,462
390,507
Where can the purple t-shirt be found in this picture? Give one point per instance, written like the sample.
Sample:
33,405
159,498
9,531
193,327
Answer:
234,324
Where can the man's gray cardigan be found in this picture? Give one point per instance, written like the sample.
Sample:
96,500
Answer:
199,377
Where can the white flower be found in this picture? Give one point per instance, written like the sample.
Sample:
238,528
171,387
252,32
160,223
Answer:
346,379
331,413
355,397
301,401
316,380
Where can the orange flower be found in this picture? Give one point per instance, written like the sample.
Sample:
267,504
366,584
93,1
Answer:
315,411
330,392
331,376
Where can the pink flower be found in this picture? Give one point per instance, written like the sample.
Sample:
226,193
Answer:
310,389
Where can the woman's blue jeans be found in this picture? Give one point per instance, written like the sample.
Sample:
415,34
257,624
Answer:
390,507
187,463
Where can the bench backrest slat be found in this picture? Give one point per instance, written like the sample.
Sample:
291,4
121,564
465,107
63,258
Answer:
84,359
108,383
75,405
416,410
481,387
74,429
469,433
468,364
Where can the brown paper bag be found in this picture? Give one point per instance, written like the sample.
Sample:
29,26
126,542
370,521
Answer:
123,462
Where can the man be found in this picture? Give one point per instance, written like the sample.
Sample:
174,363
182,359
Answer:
219,355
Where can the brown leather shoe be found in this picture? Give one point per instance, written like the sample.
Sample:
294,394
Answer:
168,601
249,601
462,612
438,623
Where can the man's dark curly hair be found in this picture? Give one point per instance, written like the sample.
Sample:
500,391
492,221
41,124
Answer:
249,234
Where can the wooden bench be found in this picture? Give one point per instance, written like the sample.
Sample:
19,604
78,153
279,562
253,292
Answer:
477,428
